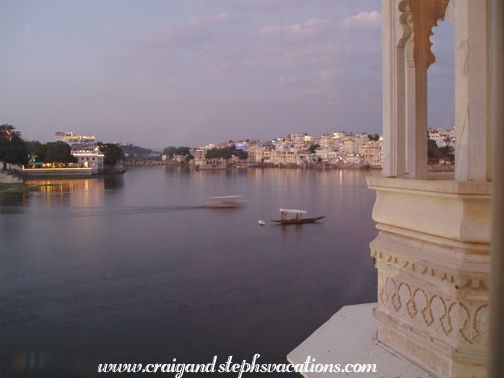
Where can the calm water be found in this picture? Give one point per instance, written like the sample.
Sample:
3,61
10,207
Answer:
132,268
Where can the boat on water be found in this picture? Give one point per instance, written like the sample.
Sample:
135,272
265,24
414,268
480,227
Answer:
224,202
298,217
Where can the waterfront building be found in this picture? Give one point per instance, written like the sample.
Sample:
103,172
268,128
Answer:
439,313
89,159
372,154
283,157
76,142
84,149
256,154
200,153
322,153
210,164
354,159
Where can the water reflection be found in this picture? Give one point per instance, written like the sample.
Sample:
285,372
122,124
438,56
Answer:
133,269
113,182
13,202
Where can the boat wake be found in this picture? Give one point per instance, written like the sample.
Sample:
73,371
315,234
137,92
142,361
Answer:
79,212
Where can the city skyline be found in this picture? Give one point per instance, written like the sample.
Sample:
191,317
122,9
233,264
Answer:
193,73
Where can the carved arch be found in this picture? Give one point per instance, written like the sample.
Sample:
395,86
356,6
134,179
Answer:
418,19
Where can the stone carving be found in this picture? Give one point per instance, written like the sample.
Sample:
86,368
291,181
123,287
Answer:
450,12
416,37
434,312
405,21
403,263
476,325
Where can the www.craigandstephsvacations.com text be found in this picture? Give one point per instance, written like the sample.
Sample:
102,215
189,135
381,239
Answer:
309,366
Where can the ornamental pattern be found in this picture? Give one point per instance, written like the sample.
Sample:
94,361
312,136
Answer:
433,312
407,263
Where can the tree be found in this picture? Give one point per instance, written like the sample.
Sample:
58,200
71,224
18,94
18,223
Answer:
189,157
449,152
225,153
373,137
433,151
13,149
32,145
313,147
182,151
113,153
169,151
241,154
55,152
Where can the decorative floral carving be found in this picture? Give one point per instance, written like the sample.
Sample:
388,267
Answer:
406,21
431,310
404,264
475,327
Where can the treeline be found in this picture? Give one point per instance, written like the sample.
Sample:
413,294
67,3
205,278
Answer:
135,150
15,150
226,153
172,151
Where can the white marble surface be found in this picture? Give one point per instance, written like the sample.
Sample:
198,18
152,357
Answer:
348,338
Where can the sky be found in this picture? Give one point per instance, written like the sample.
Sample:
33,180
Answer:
188,73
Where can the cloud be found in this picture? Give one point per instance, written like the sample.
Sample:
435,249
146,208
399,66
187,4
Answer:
363,22
311,31
195,30
267,6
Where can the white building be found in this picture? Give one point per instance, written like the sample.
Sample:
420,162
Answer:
89,159
84,149
76,142
372,154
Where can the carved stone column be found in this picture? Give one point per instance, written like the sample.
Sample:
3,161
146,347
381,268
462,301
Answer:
407,28
472,90
432,256
432,252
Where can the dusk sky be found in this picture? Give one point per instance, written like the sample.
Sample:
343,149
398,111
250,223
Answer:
171,73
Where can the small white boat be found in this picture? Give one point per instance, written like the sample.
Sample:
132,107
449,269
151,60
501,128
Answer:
224,202
298,217
261,223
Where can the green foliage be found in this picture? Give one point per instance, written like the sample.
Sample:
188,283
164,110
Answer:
374,137
183,151
449,152
434,152
170,151
189,157
113,153
16,188
13,148
313,147
55,152
32,145
226,153
135,150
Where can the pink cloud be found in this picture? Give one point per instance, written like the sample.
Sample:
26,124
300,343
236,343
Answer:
363,22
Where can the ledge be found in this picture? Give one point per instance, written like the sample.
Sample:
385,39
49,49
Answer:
447,187
348,338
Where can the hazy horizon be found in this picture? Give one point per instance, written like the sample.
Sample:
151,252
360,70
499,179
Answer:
173,73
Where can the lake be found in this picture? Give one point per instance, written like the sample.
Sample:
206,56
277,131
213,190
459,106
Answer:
134,269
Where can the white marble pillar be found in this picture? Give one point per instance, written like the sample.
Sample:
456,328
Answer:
396,32
472,91
496,340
